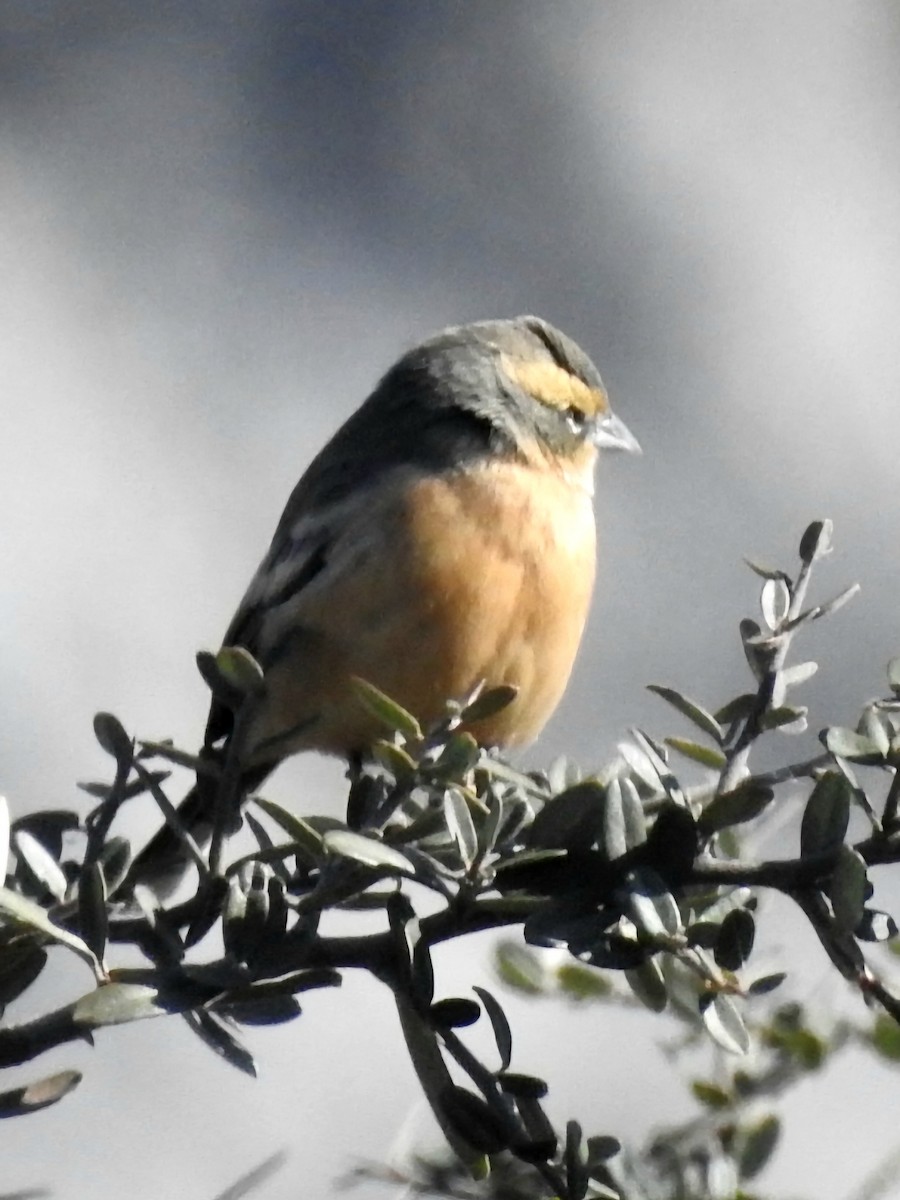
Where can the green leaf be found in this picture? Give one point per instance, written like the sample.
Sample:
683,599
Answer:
456,1012
411,949
724,1023
582,982
460,754
499,1024
624,824
25,912
788,718
648,984
213,1031
21,962
368,851
694,712
640,766
520,968
118,1003
656,756
576,1162
735,940
766,984
523,1087
875,926
35,1096
110,733
115,859
489,827
602,1148
93,919
846,743
288,985
571,820
41,864
613,952
885,1037
872,726
743,803
737,709
766,572
308,839
775,600
823,610
489,702
394,758
848,889
240,670
474,1120
194,762
460,826
651,906
711,1095
816,541
386,710
756,1144
827,815
798,673
715,760
704,934
265,1010
223,691
758,651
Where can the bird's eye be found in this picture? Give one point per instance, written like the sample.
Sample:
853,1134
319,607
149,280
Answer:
576,419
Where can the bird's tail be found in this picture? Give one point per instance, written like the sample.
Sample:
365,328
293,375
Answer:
163,862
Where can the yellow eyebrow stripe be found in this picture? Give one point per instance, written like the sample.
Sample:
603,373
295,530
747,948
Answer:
551,385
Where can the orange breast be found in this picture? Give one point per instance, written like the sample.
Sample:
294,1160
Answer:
482,575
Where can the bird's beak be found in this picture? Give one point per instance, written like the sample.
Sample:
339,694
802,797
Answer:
613,434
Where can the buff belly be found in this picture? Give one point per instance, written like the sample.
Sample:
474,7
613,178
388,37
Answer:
484,575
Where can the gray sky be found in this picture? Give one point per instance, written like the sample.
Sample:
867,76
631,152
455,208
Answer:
221,222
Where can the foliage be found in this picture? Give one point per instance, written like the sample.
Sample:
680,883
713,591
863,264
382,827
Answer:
640,878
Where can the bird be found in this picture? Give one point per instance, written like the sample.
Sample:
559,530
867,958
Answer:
444,538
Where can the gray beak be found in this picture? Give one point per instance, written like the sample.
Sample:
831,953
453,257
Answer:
613,434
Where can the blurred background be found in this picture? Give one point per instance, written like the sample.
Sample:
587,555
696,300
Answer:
220,223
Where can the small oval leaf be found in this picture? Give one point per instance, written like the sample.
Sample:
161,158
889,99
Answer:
756,1145
848,889
240,670
489,702
41,864
110,733
499,1024
392,715
725,1024
25,912
735,940
474,1120
35,1096
766,984
827,814
714,760
816,541
648,984
368,851
694,712
775,600
856,747
743,803
460,826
